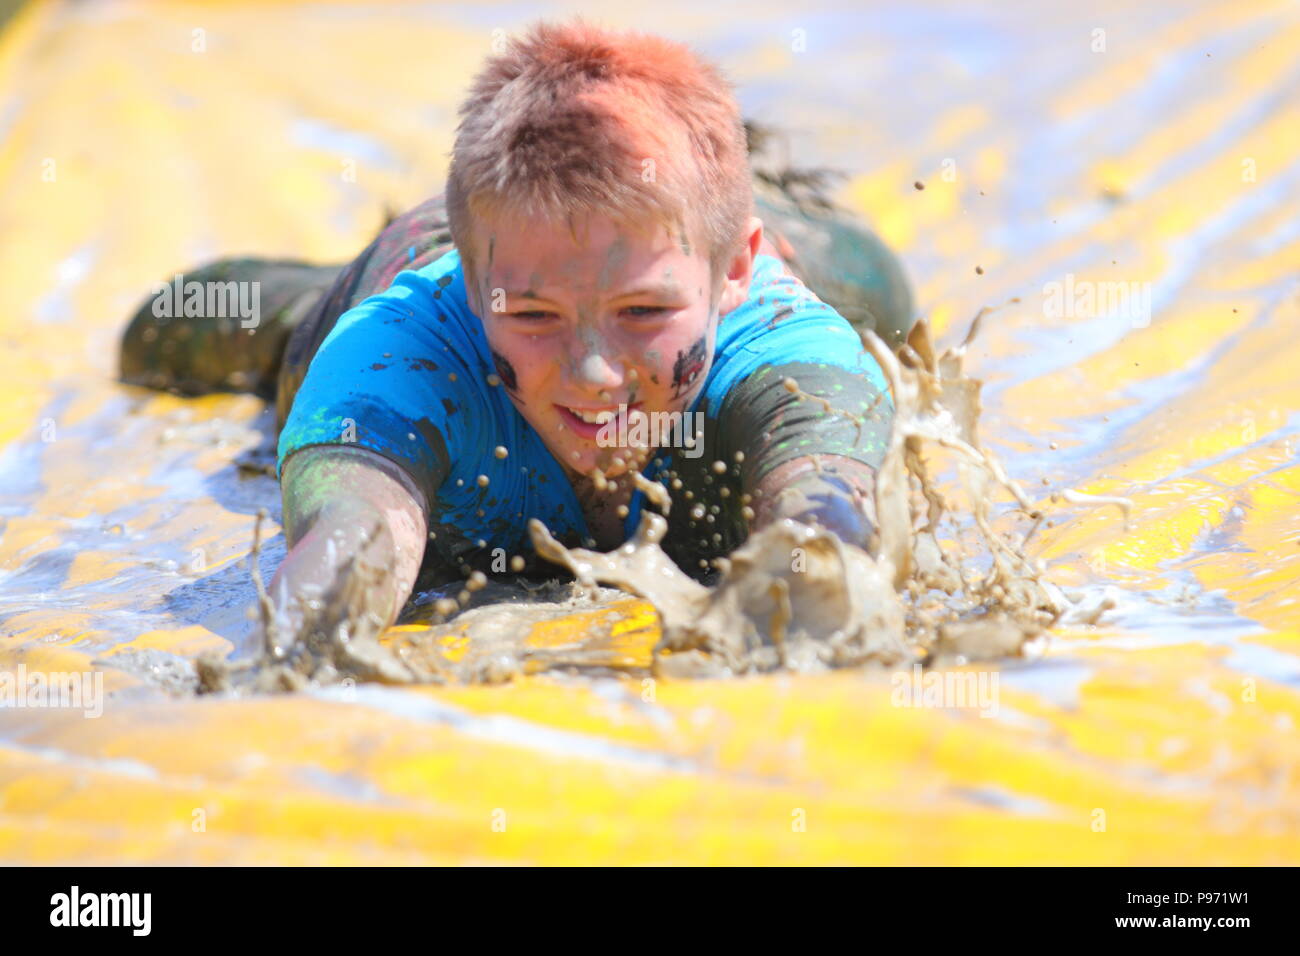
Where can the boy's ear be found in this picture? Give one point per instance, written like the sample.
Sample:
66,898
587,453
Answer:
739,271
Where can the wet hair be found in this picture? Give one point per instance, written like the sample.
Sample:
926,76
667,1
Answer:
572,119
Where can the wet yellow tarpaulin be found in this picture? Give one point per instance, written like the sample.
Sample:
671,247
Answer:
1131,173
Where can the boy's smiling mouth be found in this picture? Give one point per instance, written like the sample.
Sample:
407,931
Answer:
587,422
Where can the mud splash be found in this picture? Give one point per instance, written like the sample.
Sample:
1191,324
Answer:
947,578
941,583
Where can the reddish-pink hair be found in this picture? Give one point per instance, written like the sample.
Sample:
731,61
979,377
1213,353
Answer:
573,119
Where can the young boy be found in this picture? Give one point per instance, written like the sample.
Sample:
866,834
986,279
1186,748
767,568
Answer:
496,354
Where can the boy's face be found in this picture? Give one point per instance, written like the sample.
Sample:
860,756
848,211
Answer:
622,317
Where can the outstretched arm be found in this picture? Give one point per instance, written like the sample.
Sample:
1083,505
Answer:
810,451
343,503
824,490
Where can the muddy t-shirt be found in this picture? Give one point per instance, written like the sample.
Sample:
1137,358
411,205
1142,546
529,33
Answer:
407,374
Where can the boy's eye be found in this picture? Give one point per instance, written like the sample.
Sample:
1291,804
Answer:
532,314
644,311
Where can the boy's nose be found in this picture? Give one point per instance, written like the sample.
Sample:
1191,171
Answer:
595,368
595,362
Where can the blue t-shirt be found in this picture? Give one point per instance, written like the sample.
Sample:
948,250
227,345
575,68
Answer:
407,374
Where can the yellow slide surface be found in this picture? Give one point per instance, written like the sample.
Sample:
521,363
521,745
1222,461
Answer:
1155,145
